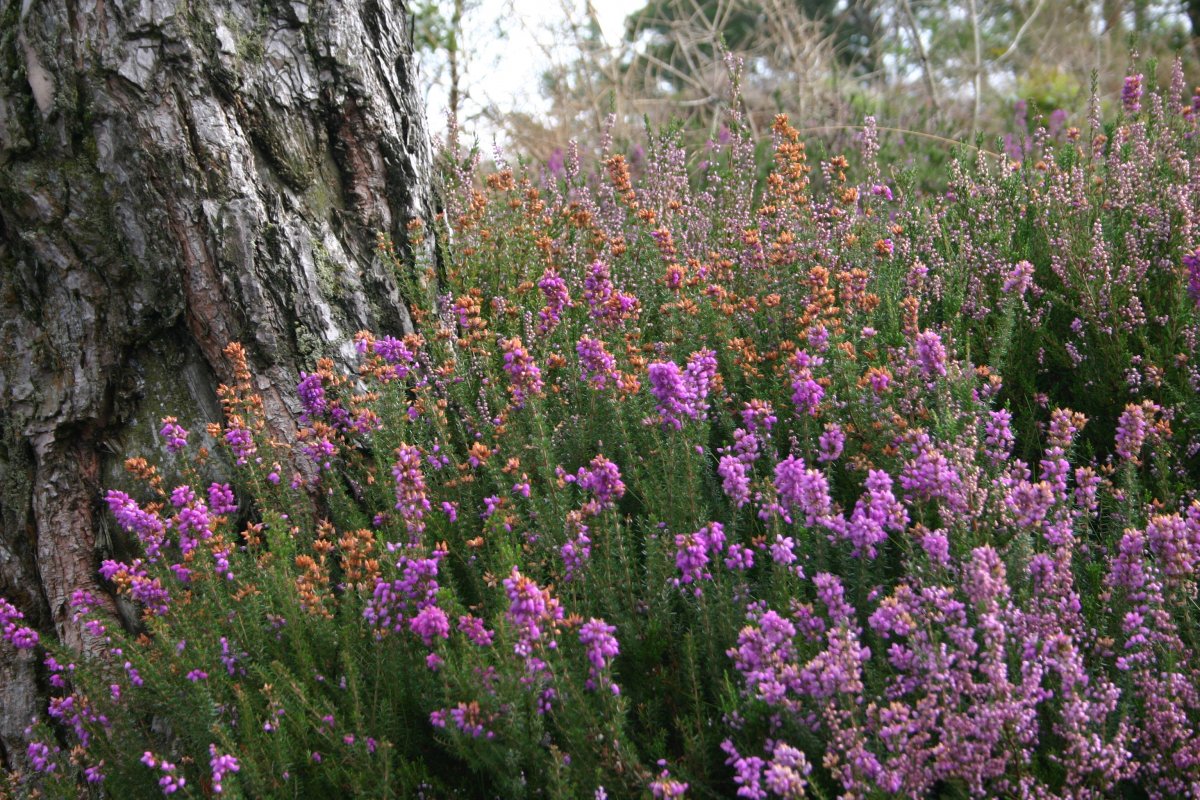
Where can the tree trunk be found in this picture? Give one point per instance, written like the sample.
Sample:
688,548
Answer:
176,175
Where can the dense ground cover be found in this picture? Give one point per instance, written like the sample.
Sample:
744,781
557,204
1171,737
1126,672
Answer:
835,490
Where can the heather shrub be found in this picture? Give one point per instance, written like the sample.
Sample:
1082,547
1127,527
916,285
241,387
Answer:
684,489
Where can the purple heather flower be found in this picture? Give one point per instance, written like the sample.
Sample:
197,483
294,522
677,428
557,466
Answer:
735,479
475,631
1131,94
41,757
806,392
175,435
597,637
312,394
683,393
664,787
598,366
554,288
998,436
602,478
577,549
411,499
1133,427
831,443
21,637
525,378
692,552
1191,262
241,442
221,766
220,499
430,623
931,355
530,608
147,527
803,488
758,415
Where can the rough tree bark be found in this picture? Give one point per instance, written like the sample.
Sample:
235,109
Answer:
176,175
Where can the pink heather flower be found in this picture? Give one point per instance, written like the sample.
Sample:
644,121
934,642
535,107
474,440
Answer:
601,647
416,589
931,475
818,338
876,513
597,364
41,757
175,435
739,557
525,379
469,718
937,547
1133,427
747,772
1019,279
765,650
1176,547
411,499
1029,503
783,550
701,373
182,496
787,771
670,390
395,352
169,782
143,589
931,355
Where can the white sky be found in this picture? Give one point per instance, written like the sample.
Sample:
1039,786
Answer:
508,44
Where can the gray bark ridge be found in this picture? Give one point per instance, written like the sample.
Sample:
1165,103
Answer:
176,175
